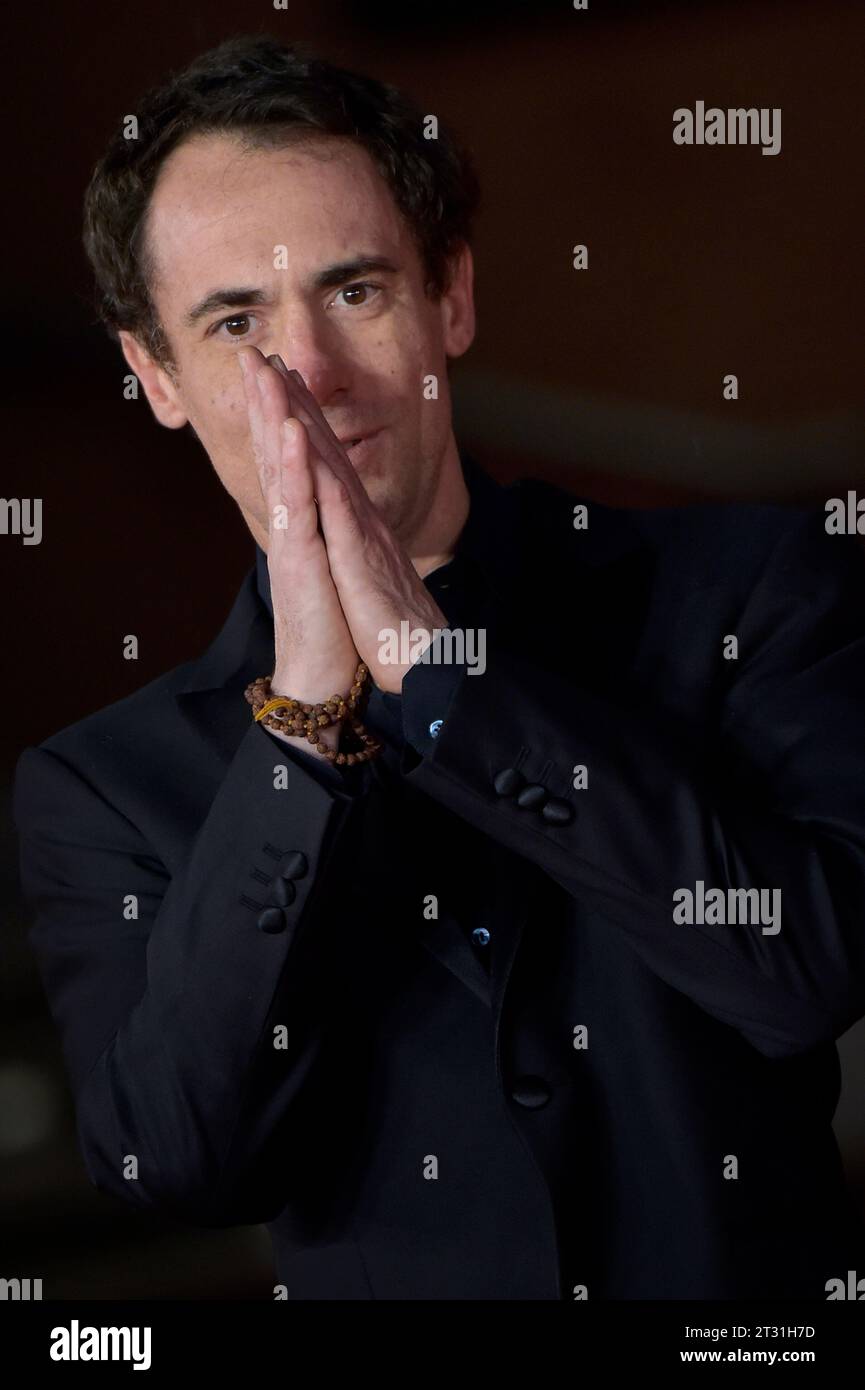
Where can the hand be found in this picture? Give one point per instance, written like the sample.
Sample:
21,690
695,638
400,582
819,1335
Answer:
378,586
315,655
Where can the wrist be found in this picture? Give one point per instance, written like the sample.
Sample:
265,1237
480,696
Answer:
329,737
310,688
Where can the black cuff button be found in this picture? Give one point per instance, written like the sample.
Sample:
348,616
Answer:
295,865
284,891
508,781
532,798
271,920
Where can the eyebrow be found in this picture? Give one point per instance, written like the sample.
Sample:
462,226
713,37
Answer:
329,278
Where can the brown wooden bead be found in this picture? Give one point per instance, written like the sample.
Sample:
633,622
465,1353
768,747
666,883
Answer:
291,716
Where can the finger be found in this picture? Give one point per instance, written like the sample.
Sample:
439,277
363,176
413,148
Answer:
341,521
274,360
303,403
275,408
282,458
285,392
267,471
300,394
277,405
306,408
301,513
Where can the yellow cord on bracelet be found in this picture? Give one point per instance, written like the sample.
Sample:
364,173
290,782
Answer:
276,703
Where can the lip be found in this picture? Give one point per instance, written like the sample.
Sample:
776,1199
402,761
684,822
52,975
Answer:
346,441
362,451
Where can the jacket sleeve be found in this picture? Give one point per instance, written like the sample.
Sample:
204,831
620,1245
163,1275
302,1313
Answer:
167,988
772,797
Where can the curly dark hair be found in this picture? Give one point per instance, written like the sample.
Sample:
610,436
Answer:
269,93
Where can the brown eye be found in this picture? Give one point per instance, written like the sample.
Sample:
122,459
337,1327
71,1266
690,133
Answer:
353,290
238,318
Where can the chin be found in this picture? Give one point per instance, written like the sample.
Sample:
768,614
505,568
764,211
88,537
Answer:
389,503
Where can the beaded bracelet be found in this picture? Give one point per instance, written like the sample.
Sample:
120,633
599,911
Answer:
300,718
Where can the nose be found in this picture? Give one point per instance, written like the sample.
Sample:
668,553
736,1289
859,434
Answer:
306,347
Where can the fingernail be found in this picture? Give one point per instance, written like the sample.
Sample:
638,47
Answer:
276,361
243,365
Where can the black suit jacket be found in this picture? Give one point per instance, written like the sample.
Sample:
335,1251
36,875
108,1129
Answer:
264,1020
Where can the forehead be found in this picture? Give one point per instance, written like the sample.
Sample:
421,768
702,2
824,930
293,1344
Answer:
219,205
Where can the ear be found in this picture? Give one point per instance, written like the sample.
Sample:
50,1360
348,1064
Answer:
458,305
158,387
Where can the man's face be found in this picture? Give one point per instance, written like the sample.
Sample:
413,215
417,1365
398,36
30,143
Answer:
282,231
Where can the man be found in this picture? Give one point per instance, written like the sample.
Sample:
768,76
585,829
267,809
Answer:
540,1000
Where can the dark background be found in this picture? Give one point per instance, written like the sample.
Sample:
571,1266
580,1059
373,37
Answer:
702,261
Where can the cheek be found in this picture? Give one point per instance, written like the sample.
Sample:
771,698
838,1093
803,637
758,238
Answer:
219,418
222,416
403,352
234,419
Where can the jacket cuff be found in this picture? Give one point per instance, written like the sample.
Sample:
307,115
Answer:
341,780
427,691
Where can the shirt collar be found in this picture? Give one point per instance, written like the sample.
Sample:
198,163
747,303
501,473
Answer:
486,540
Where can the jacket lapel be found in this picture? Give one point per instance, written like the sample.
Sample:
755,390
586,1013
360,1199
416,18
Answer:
212,698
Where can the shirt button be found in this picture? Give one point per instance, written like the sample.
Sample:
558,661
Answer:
480,936
434,727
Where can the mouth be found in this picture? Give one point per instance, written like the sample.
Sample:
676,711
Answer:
357,446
